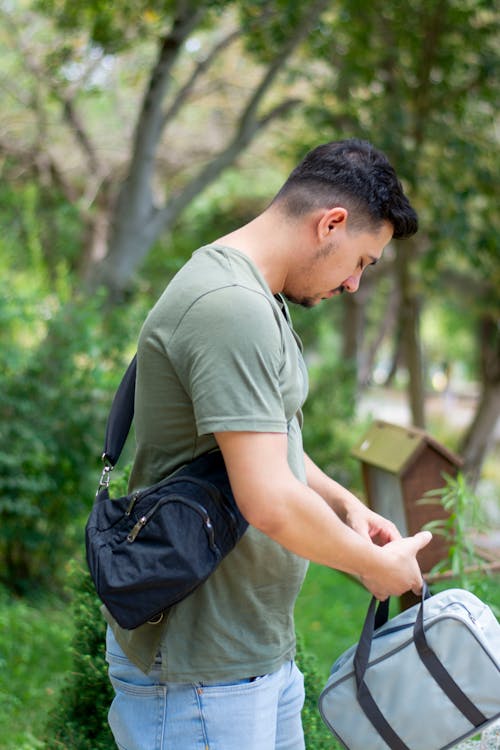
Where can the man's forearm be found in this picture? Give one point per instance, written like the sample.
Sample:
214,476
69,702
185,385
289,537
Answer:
338,497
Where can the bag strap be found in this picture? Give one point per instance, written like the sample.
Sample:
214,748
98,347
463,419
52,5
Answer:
375,618
119,422
360,663
442,676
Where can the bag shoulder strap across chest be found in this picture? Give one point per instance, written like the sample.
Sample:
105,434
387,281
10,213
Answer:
119,422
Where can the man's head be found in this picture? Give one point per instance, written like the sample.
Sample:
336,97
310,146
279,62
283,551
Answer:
355,175
350,198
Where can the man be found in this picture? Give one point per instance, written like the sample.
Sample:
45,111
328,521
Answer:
219,363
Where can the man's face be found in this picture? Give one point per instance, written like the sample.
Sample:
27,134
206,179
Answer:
337,265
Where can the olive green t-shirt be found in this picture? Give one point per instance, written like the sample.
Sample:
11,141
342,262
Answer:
218,353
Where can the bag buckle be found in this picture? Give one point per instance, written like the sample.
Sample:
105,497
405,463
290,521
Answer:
105,476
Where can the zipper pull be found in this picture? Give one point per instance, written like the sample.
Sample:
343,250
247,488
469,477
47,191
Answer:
131,504
138,526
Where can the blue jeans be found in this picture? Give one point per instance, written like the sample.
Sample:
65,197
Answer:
263,713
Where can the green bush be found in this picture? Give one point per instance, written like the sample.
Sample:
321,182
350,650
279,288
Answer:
79,721
35,634
317,736
54,395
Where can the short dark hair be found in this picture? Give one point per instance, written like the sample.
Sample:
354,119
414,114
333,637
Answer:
354,174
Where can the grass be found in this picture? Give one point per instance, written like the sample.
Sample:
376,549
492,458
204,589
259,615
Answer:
329,614
34,656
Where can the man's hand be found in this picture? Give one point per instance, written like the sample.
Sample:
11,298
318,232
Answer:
398,560
371,525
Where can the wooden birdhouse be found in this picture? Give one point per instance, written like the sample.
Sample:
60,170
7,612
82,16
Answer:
399,465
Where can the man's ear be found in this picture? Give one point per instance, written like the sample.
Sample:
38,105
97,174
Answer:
331,219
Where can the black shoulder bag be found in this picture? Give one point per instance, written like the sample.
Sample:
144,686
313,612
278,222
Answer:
148,550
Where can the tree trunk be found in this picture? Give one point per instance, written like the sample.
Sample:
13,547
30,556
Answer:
353,328
410,329
481,432
385,330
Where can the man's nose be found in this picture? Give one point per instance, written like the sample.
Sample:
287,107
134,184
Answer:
351,284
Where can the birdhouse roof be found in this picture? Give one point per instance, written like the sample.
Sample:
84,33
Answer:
394,448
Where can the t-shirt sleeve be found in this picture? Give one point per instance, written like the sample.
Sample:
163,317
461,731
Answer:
227,351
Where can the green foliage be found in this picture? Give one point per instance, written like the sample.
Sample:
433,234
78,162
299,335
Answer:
34,655
112,27
316,735
53,398
465,519
40,231
60,359
79,720
269,25
330,407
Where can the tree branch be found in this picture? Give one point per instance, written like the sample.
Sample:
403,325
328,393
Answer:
71,117
65,97
247,127
150,122
200,68
280,110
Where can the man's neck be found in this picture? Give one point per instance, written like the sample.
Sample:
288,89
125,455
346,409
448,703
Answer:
270,242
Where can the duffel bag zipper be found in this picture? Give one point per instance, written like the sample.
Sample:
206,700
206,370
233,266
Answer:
219,499
217,495
197,507
133,500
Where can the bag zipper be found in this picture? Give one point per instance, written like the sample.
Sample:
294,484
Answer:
197,507
452,605
209,487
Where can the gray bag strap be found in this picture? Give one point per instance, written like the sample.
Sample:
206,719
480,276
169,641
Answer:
377,617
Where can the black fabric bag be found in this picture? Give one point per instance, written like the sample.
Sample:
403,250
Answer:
149,550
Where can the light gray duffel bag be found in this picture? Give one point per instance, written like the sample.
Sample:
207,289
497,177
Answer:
424,680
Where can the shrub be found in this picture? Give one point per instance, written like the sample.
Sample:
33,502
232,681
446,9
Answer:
79,721
317,736
54,394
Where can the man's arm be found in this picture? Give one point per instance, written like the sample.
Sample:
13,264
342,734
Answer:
349,508
293,514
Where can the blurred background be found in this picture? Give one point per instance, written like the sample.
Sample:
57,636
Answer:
132,133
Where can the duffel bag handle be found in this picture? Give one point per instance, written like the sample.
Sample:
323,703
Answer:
442,676
377,615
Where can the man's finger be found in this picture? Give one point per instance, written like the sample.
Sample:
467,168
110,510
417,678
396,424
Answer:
421,539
